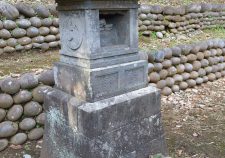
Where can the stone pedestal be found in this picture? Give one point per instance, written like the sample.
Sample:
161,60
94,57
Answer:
101,107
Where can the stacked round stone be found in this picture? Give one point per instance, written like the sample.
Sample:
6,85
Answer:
21,110
180,20
23,27
185,66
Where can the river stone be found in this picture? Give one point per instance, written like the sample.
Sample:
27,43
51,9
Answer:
12,42
1,51
180,68
32,108
218,75
175,88
183,85
36,22
55,22
161,84
35,134
22,97
201,72
193,8
163,74
158,67
176,51
9,11
27,124
150,67
191,57
23,23
199,81
170,81
188,67
166,63
200,55
191,83
7,129
47,22
9,49
32,32
15,113
208,69
54,30
159,35
38,39
50,38
177,78
159,56
154,77
28,81
10,85
2,114
42,11
2,43
168,10
172,71
211,77
204,63
9,24
25,9
28,47
18,32
36,45
3,144
194,75
18,139
196,65
168,53
45,46
185,76
47,78
166,91
53,44
222,73
24,41
175,60
5,34
44,31
40,119
183,59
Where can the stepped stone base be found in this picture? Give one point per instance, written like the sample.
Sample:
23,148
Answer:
124,126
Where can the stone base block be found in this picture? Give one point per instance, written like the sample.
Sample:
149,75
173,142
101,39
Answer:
124,126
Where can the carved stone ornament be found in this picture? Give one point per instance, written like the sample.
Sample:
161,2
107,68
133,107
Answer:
75,37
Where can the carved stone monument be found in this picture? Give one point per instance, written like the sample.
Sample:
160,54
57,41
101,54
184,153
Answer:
101,106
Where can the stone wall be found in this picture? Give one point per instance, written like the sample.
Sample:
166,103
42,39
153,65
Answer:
185,66
23,27
21,110
180,20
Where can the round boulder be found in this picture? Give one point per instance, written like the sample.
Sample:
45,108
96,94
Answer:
9,24
18,33
28,81
27,124
32,32
47,78
25,9
15,113
9,11
183,85
191,83
32,108
175,88
3,144
40,119
163,74
2,114
154,77
10,85
39,93
24,41
161,84
166,91
35,134
22,97
6,101
42,11
8,129
18,139
23,23
5,34
36,22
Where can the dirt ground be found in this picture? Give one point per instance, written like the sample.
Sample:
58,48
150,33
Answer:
194,122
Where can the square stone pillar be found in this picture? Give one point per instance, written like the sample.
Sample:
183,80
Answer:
101,107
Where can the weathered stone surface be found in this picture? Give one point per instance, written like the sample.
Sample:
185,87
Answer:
7,129
175,88
166,91
18,139
15,112
8,10
183,85
25,9
23,23
40,119
24,41
154,77
5,34
27,124
12,42
32,108
170,81
42,11
32,32
6,101
161,84
36,22
158,67
22,97
9,24
46,22
3,144
2,43
176,51
35,134
47,78
38,39
18,32
10,85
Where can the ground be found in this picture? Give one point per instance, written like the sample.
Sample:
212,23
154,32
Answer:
194,122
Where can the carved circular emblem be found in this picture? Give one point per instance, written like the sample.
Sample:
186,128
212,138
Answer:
74,37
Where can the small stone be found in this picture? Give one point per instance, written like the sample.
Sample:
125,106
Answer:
10,85
8,49
32,32
24,41
18,139
175,88
3,144
2,114
15,113
2,43
170,81
183,85
6,101
22,97
42,11
36,22
38,39
12,42
18,33
47,22
32,108
35,134
9,24
50,38
191,83
159,35
25,9
9,11
8,129
44,46
5,34
40,119
28,81
47,78
154,77
161,84
27,124
166,91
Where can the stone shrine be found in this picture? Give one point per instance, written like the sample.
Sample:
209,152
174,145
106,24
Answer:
101,106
